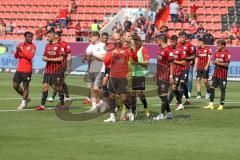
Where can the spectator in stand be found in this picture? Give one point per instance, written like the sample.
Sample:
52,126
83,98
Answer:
174,11
230,40
151,33
73,7
141,20
234,29
193,11
127,24
39,33
78,32
208,38
142,34
63,15
10,26
185,15
117,28
180,15
51,23
237,43
200,31
95,26
2,27
154,5
85,29
192,30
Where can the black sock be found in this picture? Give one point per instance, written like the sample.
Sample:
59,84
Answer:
212,94
61,97
185,91
171,96
105,91
222,96
44,97
65,90
112,104
54,94
178,97
144,102
164,104
133,104
199,93
89,95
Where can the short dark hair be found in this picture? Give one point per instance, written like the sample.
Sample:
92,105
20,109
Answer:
163,37
174,38
105,34
50,31
182,33
95,33
58,33
27,32
222,42
95,21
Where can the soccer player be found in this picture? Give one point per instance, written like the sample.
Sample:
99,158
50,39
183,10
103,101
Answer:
66,65
188,50
139,73
24,53
202,63
164,75
118,60
53,72
116,37
96,51
178,63
221,60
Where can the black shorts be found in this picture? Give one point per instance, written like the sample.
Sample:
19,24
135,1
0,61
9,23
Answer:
138,83
118,85
107,72
184,76
202,73
163,86
218,82
22,77
176,79
53,79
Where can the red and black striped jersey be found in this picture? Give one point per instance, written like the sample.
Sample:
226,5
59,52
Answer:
53,51
221,57
178,55
188,51
164,58
203,56
67,50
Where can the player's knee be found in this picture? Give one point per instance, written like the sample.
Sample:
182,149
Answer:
45,87
16,86
205,81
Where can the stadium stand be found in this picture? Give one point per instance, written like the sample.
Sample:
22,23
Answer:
29,14
215,15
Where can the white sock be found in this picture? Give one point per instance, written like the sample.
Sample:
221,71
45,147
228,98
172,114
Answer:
24,102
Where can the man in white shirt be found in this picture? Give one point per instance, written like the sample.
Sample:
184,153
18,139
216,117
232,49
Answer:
174,11
96,52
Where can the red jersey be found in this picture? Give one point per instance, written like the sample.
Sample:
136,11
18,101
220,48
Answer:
188,51
202,54
178,55
118,60
53,51
24,56
223,57
66,51
110,47
164,58
63,13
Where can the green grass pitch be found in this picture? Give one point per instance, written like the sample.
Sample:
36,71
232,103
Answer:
195,134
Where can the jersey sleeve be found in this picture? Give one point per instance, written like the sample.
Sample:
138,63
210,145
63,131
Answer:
16,54
209,51
67,49
133,55
108,58
227,57
45,51
29,55
145,54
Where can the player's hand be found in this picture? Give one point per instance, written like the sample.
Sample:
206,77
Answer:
44,58
206,68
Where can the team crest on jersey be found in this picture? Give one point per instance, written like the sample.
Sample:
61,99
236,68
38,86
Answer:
55,48
28,48
177,52
184,47
121,52
205,51
222,55
171,53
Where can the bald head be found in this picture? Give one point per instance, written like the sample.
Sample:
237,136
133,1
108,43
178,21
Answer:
116,37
